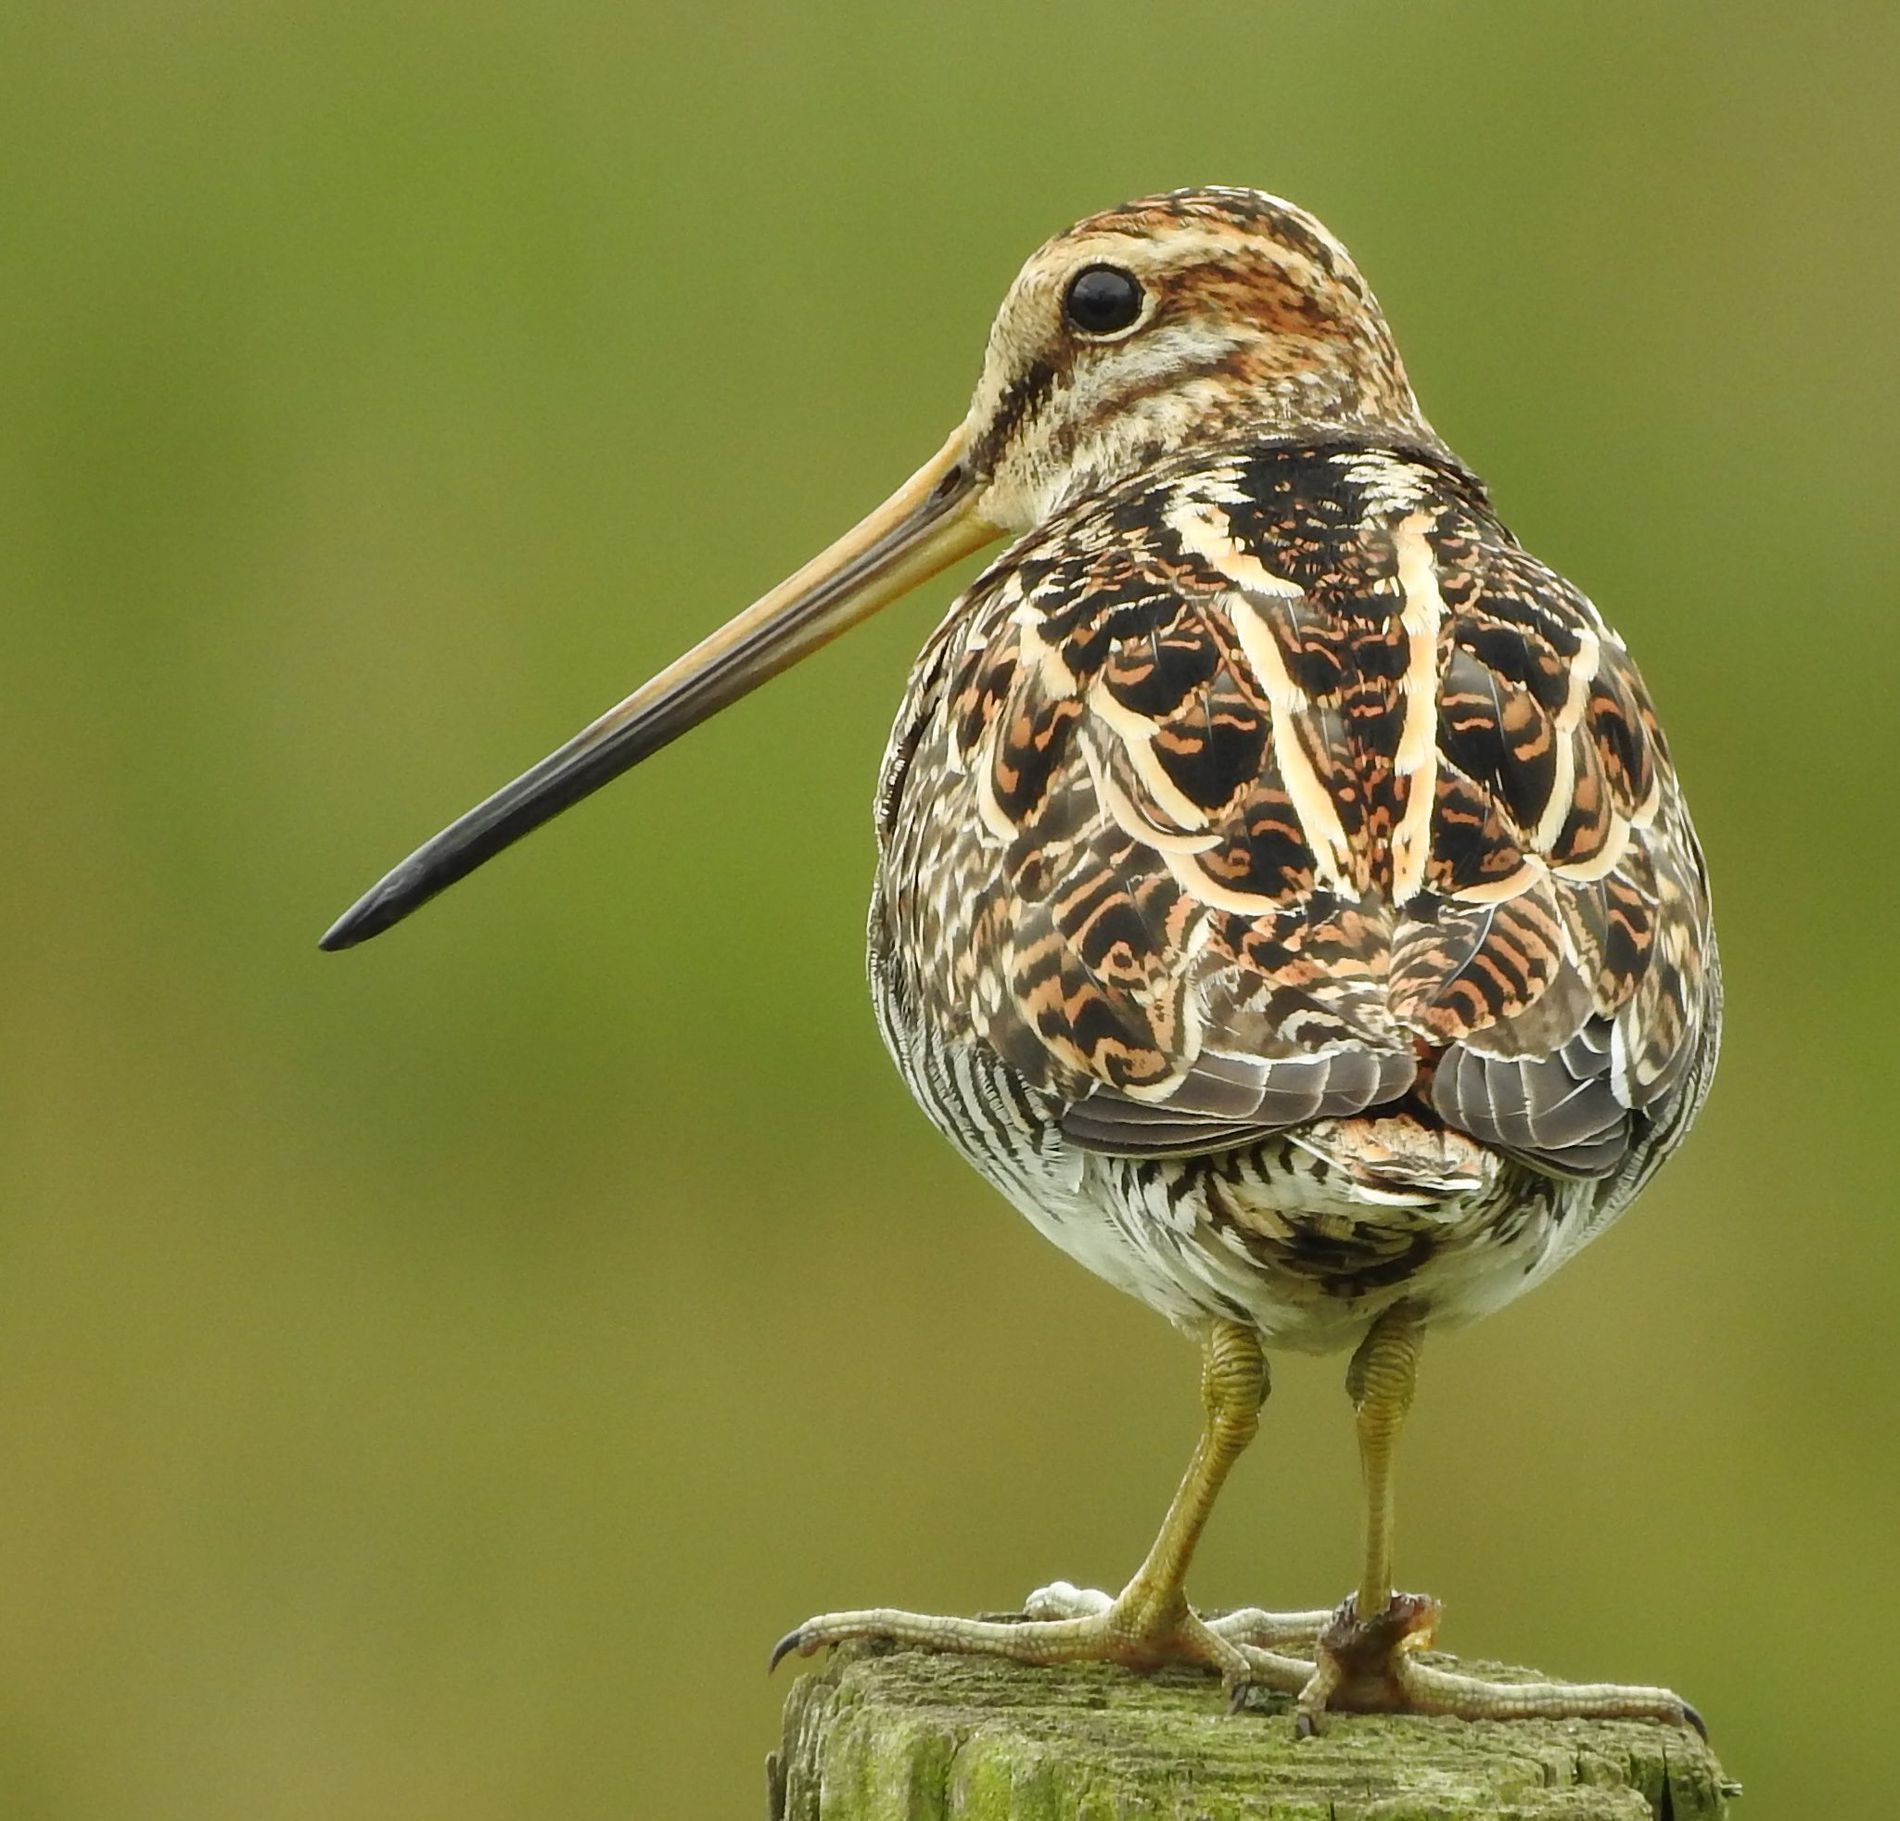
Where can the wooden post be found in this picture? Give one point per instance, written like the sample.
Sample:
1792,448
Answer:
909,1736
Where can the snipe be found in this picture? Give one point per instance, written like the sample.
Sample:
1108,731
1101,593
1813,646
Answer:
1284,896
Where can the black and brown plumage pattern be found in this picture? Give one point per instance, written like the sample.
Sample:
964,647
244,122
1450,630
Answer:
1278,787
1285,896
1284,888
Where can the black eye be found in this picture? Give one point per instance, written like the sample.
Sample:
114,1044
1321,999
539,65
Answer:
1102,299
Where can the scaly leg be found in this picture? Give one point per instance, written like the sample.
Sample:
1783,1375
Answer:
1367,1658
1149,1623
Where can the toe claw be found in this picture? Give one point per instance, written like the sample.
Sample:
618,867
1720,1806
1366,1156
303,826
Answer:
1695,1719
1305,1726
1237,1698
793,1640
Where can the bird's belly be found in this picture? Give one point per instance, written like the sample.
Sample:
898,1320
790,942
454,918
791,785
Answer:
1318,1230
1306,1253
1307,1236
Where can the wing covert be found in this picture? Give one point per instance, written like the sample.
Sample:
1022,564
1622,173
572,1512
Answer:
1285,785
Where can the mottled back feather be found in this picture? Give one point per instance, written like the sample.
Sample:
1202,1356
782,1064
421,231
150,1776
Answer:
1281,784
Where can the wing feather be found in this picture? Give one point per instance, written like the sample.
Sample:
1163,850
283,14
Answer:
1283,787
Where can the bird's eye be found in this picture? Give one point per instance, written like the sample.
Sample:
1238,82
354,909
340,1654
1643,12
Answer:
1102,300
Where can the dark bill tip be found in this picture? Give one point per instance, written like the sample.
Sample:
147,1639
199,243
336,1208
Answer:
561,780
369,916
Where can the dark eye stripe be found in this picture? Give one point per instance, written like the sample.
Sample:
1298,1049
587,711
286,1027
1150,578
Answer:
1102,300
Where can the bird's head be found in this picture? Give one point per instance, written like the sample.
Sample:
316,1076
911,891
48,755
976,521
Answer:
1179,320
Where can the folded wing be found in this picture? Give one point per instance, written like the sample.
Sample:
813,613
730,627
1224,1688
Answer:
1289,786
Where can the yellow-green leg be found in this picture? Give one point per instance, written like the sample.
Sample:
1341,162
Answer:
1149,1623
1367,1656
1379,1381
1357,1653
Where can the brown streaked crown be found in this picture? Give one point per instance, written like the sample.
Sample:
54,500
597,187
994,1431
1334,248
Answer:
1255,322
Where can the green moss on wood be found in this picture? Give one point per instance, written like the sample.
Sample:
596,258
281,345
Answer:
907,1736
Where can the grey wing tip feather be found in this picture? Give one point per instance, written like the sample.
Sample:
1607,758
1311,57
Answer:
1226,1101
1537,1107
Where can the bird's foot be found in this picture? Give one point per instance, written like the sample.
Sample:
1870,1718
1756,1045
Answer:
1246,1625
1372,1666
1140,1628
1343,1664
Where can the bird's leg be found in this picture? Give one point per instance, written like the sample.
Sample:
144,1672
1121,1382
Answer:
1373,1628
1233,1387
1367,1655
1380,1381
1149,1623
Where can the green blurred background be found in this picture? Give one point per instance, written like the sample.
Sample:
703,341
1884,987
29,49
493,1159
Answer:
431,1377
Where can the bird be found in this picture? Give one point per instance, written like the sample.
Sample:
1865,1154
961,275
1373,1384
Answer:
1285,895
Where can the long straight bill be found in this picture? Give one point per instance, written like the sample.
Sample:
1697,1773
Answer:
926,525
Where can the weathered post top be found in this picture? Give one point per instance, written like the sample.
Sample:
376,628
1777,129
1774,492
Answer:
906,1735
